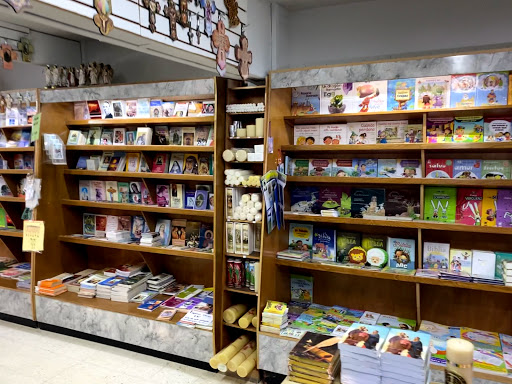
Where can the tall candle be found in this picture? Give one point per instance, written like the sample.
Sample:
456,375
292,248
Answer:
241,356
248,365
259,126
241,132
251,130
234,312
459,362
246,319
232,349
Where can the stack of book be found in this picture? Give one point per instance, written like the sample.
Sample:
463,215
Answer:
104,288
507,273
143,296
274,317
15,271
314,359
160,282
455,276
151,239
6,261
150,305
360,348
405,357
129,288
119,236
73,285
24,281
291,254
128,270
51,287
88,286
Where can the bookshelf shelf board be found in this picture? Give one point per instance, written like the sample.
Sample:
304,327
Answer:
14,127
137,207
250,328
11,285
403,147
144,121
11,232
16,171
245,113
247,88
419,224
17,149
244,291
391,276
12,199
246,138
136,247
252,256
142,175
269,334
142,148
242,221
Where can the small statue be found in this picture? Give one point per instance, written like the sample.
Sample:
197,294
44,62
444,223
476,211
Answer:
110,74
47,76
82,75
2,104
64,77
101,73
72,77
8,101
93,73
55,76
19,101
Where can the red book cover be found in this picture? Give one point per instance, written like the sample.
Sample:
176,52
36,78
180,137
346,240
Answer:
160,163
94,109
439,169
469,206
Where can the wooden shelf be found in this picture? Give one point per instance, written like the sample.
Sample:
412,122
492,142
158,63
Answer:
145,121
250,88
391,276
252,256
142,148
244,291
269,334
246,138
245,113
16,171
242,221
136,247
250,328
17,149
137,207
11,232
15,127
244,162
12,199
142,175
353,148
418,224
11,285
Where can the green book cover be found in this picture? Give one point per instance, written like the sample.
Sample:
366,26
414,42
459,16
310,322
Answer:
496,169
440,204
500,257
123,190
3,218
345,241
301,288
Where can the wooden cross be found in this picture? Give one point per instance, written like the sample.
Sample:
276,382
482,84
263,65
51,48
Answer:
232,6
102,19
183,20
221,42
244,57
153,7
172,14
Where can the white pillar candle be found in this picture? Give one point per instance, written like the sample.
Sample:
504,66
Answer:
255,197
259,126
459,361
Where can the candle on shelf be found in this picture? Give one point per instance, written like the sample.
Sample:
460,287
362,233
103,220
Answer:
241,356
241,132
459,361
259,126
246,319
248,365
234,312
251,130
232,349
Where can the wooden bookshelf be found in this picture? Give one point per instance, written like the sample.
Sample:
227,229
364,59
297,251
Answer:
250,328
17,127
17,149
143,175
252,256
145,121
244,113
142,148
16,171
12,199
11,233
249,88
403,147
244,291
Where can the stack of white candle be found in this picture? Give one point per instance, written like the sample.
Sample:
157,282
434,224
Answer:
247,107
241,177
249,207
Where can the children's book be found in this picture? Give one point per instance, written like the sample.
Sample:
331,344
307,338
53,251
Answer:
440,204
396,322
299,167
439,169
409,168
112,192
101,225
306,135
333,134
345,241
402,203
85,190
167,108
463,91
175,135
177,196
331,99
333,198
467,169
489,205
138,224
124,192
504,208
497,129
305,100
436,255
320,167
440,334
501,257
362,132
301,288
401,94
368,202
344,168
433,92
135,192
162,134
488,353
391,131
461,260
366,96
176,163
366,167
155,108
178,233
387,168
324,244
414,133
160,163
496,169
402,253
406,347
492,89
143,110
483,264
468,129
439,130
300,236
506,345
469,206
162,195
302,199
89,224
98,190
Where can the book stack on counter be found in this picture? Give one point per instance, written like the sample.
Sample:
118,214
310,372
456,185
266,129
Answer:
15,271
274,317
150,305
73,284
24,281
119,236
143,296
507,273
88,286
161,282
51,287
128,270
292,254
104,288
151,239
405,357
201,315
315,359
129,288
6,262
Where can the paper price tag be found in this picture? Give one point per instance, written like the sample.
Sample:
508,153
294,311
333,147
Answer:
36,127
33,236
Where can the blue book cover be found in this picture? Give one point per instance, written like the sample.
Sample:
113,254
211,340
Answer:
82,162
324,244
150,305
387,168
401,94
467,169
463,91
200,200
492,89
190,199
302,199
111,281
367,167
367,202
306,100
402,253
206,236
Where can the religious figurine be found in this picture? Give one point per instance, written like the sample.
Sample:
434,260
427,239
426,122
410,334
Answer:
64,77
110,74
47,76
2,104
72,77
101,73
55,76
8,101
93,73
82,74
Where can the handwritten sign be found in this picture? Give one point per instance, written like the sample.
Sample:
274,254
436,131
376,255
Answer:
33,236
36,127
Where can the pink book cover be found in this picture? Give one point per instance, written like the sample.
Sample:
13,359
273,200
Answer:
504,208
439,169
160,163
162,195
172,302
146,196
469,206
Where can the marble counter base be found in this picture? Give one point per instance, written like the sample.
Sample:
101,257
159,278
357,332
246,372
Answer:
458,64
152,334
130,91
15,303
273,354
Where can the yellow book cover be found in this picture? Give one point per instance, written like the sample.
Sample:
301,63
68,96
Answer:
311,368
306,380
276,307
489,201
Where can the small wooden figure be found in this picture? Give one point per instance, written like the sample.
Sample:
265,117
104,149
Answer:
72,77
243,56
102,19
153,7
101,74
55,76
184,14
110,74
93,74
172,15
220,42
64,77
82,75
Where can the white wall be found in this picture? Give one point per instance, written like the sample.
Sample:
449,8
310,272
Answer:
390,28
259,32
280,36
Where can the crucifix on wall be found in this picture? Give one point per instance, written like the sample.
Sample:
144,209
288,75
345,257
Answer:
153,7
220,42
183,17
172,14
243,55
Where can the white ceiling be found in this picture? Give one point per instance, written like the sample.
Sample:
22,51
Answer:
296,5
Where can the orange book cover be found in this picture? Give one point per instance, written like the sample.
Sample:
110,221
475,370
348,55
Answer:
50,283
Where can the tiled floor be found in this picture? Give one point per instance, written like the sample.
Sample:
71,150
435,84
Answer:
33,356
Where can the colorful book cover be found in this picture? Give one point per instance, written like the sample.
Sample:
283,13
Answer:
468,129
203,167
402,253
89,224
138,224
343,168
155,108
305,100
373,241
177,195
391,131
488,354
143,110
436,255
368,202
489,205
160,163
202,136
316,349
439,130
463,91
178,234
369,338
299,167
439,169
496,169
366,167
324,244
409,168
123,190
190,197
504,208
206,236
200,199
440,204
433,92
497,129
146,198
330,198
135,195
111,191
163,227
176,163
506,346
500,258
320,167
387,168
414,133
469,206
191,164
306,135
100,225
407,344
440,334
84,187
345,241
302,199
98,190
192,229
333,134
402,203
492,89
467,169
401,94
301,288
331,99
362,132
131,108
366,96
461,260
300,236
